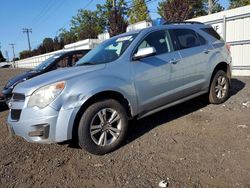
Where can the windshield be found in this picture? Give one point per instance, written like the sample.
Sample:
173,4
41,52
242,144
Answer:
108,51
47,62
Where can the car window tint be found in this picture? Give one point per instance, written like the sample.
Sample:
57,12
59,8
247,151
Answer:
160,40
202,40
212,33
186,38
75,58
63,62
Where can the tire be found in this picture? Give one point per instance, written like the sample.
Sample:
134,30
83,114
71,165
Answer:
98,132
219,88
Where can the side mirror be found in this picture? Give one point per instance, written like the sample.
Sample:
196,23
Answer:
144,52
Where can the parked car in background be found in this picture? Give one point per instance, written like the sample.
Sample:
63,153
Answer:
59,60
128,76
5,65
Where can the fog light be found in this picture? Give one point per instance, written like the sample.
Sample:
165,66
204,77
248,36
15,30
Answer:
42,131
36,133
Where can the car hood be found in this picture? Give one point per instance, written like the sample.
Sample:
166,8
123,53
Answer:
20,78
31,85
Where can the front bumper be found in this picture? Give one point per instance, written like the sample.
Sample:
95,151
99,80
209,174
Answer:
41,125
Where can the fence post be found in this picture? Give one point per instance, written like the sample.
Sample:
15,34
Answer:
224,27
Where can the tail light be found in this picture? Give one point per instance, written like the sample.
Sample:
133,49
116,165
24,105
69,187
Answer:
228,48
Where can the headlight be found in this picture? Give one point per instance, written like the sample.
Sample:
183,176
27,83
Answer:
43,96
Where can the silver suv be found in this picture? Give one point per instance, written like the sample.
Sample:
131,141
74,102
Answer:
128,76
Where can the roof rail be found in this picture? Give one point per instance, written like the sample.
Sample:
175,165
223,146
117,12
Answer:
184,22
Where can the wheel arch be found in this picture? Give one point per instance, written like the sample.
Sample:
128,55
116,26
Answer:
221,66
108,94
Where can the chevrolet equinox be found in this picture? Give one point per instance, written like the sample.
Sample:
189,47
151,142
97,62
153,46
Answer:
131,75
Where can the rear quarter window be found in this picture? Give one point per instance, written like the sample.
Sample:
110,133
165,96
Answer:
187,38
212,32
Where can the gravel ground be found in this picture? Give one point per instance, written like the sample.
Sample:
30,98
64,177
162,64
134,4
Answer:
194,144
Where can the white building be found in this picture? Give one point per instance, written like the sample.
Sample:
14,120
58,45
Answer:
234,26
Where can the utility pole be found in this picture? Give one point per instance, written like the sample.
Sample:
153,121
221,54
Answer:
27,31
210,6
114,4
115,10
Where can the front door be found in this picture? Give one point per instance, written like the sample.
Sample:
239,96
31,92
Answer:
152,75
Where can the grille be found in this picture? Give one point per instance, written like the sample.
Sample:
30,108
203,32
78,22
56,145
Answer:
18,97
15,114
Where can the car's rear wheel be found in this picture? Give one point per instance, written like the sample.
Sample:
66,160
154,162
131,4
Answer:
219,88
103,127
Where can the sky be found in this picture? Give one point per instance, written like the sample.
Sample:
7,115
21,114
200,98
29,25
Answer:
45,18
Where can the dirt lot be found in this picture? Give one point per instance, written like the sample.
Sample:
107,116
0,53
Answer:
193,145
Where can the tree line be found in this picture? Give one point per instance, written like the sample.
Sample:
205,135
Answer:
114,19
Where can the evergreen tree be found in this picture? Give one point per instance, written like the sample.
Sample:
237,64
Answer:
2,59
238,3
48,45
138,12
104,11
67,36
115,20
217,7
86,24
116,24
198,8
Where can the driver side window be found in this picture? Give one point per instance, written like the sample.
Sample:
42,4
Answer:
63,62
160,40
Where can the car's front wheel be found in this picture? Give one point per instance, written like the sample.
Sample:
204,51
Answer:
103,127
219,88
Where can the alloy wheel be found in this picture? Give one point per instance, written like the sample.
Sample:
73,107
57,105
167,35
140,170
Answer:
105,127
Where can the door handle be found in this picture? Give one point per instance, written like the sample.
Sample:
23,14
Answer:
174,61
206,51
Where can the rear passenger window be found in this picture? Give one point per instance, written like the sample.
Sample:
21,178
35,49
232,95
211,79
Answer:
160,40
186,38
212,32
202,40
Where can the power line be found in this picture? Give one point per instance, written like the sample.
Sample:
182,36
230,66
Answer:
37,19
42,15
67,22
87,4
146,2
43,12
27,31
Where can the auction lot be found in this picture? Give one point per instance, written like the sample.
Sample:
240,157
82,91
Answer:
194,144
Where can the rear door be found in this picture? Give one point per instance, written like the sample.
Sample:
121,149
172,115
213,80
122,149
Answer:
188,74
152,75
